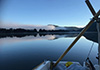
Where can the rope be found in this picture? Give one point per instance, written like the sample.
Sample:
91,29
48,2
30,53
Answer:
90,50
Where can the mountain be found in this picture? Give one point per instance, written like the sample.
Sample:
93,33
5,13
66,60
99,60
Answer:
92,28
56,27
91,33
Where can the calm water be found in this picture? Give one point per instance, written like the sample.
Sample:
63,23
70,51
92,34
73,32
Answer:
25,53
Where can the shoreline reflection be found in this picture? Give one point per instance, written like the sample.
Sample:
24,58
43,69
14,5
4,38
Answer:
24,37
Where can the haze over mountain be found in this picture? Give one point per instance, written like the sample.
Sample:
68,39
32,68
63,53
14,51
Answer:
46,27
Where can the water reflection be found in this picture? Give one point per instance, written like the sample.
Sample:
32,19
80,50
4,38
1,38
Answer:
26,37
88,35
27,51
93,36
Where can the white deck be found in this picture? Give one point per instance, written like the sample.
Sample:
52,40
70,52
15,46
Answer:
61,66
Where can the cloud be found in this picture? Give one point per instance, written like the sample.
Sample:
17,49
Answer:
26,26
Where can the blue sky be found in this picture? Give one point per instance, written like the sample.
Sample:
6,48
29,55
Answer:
44,12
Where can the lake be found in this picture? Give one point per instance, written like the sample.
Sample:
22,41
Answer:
24,53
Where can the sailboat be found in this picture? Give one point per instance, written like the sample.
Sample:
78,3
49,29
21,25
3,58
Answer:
67,65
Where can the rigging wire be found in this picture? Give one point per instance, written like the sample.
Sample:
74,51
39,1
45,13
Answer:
90,50
88,61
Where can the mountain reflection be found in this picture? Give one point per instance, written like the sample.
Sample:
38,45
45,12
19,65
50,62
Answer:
93,36
24,37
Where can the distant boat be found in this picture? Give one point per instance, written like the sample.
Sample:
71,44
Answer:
87,64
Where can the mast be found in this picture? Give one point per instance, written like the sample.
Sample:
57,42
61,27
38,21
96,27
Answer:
98,29
99,43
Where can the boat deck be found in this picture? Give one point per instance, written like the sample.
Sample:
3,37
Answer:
61,66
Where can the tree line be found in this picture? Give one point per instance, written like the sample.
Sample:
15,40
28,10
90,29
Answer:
20,30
